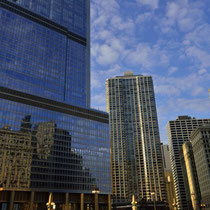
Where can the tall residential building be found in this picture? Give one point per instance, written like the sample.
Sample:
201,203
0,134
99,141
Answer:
171,198
137,167
50,140
200,140
179,132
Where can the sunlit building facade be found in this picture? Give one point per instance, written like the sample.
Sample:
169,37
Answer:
137,167
50,139
190,177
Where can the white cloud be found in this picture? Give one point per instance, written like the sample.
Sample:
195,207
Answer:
96,83
147,56
98,77
144,17
122,24
119,44
167,90
107,55
202,71
199,55
183,14
174,86
192,105
99,98
172,10
199,37
152,3
172,70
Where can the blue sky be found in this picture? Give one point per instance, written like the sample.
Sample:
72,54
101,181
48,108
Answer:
168,39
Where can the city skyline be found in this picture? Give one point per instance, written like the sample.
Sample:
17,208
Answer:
167,40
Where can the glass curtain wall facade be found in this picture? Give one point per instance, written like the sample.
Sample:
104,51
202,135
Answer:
45,49
65,152
137,166
50,139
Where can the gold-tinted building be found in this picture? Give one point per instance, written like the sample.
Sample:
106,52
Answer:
170,190
191,175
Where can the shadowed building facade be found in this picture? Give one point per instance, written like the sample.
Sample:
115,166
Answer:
51,141
171,198
137,166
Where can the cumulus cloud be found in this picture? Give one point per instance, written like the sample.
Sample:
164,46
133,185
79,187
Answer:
99,77
152,3
198,105
199,55
199,37
147,56
144,17
107,55
99,99
183,14
167,90
172,70
174,47
175,86
202,71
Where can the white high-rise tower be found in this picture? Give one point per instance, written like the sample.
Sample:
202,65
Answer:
137,166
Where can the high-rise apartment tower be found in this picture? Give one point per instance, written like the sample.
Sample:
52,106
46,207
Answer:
179,132
137,166
51,142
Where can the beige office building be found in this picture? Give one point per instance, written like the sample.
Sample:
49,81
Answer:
191,175
137,167
200,140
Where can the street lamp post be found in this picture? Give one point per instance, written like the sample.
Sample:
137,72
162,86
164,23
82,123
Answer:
96,191
174,204
50,204
134,203
202,206
153,193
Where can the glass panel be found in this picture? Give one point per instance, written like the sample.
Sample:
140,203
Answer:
49,150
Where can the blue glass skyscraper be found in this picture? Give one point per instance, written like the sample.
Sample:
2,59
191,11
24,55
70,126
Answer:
50,139
46,48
